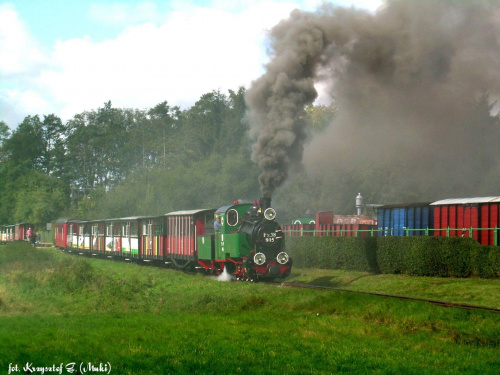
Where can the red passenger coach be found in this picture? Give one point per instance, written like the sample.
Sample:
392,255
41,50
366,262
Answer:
64,232
182,229
20,231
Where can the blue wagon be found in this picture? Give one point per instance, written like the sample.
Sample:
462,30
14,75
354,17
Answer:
413,219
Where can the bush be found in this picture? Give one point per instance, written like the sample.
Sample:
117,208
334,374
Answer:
417,255
485,261
357,253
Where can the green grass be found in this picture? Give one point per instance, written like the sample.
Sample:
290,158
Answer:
473,291
58,308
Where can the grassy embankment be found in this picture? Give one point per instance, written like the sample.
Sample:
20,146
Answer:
57,308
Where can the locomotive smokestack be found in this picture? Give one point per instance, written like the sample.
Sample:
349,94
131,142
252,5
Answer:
265,202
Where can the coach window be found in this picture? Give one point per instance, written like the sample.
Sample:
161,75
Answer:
109,230
126,230
232,217
133,229
158,228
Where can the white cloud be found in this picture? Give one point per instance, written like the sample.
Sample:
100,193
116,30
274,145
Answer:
20,61
191,51
19,53
122,13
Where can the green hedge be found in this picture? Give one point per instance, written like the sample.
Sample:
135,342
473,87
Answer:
418,255
357,254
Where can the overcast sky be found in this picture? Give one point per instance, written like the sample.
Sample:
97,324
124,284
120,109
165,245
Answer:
66,57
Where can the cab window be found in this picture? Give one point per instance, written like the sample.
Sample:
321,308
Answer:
232,217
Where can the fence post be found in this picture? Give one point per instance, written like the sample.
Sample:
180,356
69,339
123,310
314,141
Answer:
448,232
495,236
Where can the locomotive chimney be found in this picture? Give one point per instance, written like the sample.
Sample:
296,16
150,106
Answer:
265,202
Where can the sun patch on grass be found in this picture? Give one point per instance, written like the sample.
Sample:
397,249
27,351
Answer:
308,334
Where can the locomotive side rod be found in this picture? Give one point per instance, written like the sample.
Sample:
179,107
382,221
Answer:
463,306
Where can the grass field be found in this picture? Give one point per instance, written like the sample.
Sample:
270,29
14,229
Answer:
473,291
59,309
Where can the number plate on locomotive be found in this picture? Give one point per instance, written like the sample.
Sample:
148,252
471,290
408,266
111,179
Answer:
269,237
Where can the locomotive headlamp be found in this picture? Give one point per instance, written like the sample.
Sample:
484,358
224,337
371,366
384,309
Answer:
282,258
270,213
259,259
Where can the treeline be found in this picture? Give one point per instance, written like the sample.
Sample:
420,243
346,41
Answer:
114,162
117,162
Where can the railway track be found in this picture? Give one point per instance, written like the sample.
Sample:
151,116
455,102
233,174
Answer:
463,306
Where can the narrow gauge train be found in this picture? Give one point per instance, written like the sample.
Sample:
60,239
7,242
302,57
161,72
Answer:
249,244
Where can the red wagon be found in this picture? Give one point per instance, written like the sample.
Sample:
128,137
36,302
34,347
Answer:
468,217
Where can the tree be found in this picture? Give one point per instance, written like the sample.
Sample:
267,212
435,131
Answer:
4,135
318,117
161,138
39,198
25,146
53,153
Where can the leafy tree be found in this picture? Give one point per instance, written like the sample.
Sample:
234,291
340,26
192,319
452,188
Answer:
53,148
25,146
215,124
4,135
203,125
96,146
39,198
164,129
318,117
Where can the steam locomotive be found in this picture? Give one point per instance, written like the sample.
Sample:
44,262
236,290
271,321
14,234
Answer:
249,244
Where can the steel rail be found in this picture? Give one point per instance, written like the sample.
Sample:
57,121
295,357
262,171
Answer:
464,306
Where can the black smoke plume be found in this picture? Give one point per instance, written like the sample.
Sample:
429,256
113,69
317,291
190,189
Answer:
407,80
